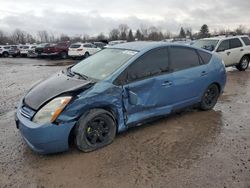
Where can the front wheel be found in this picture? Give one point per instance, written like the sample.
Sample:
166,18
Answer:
95,130
210,97
63,55
244,63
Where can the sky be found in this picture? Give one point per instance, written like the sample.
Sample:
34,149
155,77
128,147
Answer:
77,17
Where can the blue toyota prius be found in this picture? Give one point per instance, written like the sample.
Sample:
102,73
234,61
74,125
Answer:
115,89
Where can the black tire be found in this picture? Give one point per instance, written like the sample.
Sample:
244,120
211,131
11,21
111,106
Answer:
86,55
94,130
210,97
244,63
63,55
5,54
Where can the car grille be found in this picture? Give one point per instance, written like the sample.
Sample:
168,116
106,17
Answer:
27,112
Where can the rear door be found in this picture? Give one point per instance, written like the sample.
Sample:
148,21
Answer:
236,49
190,75
147,86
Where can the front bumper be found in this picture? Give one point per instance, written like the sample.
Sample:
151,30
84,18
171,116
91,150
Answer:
44,139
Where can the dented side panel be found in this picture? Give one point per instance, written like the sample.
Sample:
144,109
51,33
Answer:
101,95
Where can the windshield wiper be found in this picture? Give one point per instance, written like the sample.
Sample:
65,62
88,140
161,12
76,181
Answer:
68,72
81,75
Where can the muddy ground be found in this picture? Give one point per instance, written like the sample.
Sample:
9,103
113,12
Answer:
188,149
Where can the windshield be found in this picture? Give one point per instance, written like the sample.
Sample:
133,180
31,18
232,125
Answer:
206,44
103,64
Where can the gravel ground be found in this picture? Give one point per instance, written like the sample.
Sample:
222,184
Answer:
187,149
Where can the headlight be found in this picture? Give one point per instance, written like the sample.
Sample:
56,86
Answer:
52,110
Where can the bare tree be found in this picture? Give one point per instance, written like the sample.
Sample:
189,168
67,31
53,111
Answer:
30,39
4,38
144,30
123,28
43,36
100,37
64,37
19,36
241,30
114,34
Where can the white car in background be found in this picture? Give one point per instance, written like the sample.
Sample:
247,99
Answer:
234,50
25,50
4,51
79,50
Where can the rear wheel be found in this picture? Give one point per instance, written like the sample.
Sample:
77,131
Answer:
95,130
210,97
86,54
5,54
244,63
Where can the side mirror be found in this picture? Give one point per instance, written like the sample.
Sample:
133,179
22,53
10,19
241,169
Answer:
132,98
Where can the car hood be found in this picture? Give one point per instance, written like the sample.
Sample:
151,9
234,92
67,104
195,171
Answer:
55,85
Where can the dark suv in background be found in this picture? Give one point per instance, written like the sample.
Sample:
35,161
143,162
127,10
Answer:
59,50
39,49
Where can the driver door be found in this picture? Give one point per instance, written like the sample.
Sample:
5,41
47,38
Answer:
147,88
224,52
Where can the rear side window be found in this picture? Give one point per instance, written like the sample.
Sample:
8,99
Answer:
75,46
87,45
205,57
235,43
246,40
183,58
224,45
154,62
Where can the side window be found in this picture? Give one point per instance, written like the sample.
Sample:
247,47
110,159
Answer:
224,45
183,58
87,46
152,63
246,40
205,57
235,43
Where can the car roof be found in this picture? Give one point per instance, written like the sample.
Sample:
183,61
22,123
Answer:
145,45
140,45
224,37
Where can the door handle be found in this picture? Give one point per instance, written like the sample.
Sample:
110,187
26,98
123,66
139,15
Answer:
167,83
204,73
241,50
228,53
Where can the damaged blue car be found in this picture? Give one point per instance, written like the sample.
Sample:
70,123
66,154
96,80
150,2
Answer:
117,88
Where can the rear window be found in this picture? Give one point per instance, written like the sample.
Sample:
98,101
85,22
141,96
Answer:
75,46
26,47
246,40
205,57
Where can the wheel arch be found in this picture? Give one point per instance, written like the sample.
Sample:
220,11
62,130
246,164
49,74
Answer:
111,112
218,85
248,55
